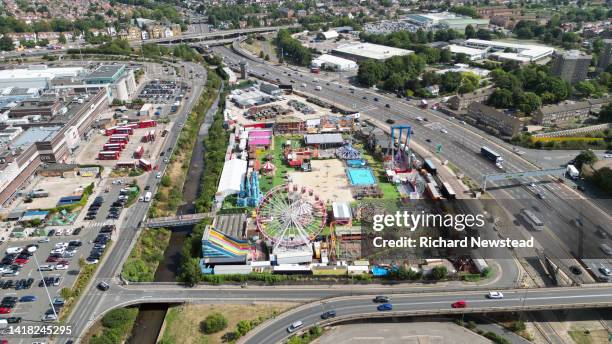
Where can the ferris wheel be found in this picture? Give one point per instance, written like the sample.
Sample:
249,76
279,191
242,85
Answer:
289,215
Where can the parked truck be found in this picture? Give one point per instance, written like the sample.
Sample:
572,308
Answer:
572,171
491,155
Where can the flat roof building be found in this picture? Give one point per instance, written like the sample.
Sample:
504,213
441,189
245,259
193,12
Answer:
472,53
523,53
571,66
35,76
363,51
334,63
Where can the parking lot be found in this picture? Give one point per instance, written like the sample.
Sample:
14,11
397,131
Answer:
56,187
58,259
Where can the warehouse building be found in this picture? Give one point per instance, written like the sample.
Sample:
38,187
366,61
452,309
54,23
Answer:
445,20
522,53
471,53
36,76
362,51
327,35
335,63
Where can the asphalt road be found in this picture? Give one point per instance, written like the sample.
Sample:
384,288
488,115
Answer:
438,303
461,146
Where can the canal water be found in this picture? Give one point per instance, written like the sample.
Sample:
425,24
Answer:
151,316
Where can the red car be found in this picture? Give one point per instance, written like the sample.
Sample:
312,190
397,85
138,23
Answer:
52,259
63,261
21,261
459,304
5,310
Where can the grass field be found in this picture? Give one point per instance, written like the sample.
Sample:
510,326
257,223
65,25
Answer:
183,322
589,337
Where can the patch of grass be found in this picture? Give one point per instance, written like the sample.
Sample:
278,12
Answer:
146,255
180,321
116,326
589,337
388,189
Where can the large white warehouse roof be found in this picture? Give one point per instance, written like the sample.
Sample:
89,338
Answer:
371,51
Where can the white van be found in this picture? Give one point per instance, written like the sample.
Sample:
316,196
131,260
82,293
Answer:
294,326
318,88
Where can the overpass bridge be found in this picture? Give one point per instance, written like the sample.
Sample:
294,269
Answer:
351,302
175,221
223,34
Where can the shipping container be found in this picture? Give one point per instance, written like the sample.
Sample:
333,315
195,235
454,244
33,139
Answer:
138,153
432,191
108,155
448,191
430,166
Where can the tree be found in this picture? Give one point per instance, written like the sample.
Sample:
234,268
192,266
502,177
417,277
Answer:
370,72
500,98
528,102
585,88
190,272
603,178
213,323
446,56
6,43
587,157
439,272
62,39
470,32
395,82
605,114
469,82
450,82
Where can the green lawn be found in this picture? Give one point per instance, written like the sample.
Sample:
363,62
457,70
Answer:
389,190
268,182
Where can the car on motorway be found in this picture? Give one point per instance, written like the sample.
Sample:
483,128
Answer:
28,298
606,249
385,307
428,140
103,286
575,270
387,106
294,326
77,231
459,304
381,299
495,295
390,121
608,154
605,271
328,314
375,99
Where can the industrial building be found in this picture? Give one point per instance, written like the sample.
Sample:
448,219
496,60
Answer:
522,53
36,76
335,63
363,51
445,20
327,35
471,53
571,66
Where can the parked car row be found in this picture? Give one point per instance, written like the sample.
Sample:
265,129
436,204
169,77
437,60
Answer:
92,211
100,242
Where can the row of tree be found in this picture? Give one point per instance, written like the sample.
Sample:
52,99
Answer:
526,89
291,49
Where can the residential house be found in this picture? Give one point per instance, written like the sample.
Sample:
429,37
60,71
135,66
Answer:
491,118
562,113
133,33
155,31
460,102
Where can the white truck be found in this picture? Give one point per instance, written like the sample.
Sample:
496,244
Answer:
147,197
572,171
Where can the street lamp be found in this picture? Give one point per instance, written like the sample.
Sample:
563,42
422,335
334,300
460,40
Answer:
45,286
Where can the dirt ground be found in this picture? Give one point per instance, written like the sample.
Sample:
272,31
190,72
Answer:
327,178
183,322
57,187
